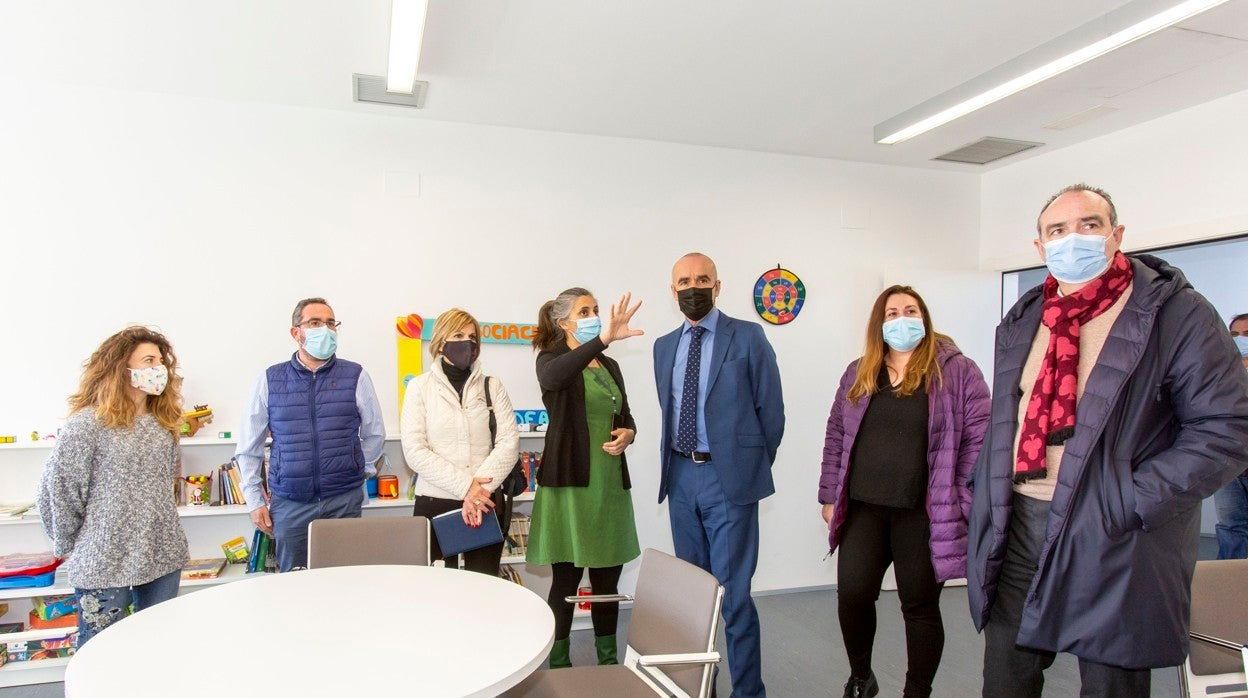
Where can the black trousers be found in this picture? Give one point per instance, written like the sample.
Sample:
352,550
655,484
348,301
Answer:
483,560
603,580
872,537
1011,671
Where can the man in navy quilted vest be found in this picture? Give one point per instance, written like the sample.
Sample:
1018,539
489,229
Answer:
327,433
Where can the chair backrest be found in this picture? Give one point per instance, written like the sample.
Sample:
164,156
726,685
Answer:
1220,609
675,610
373,540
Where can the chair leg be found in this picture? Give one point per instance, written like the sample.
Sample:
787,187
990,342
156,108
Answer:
560,654
605,644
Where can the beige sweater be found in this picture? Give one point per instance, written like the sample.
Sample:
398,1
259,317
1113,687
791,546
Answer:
1091,340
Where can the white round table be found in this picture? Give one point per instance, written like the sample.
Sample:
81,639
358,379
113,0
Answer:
373,630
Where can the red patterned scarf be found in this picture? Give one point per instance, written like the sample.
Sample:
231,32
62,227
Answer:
1050,417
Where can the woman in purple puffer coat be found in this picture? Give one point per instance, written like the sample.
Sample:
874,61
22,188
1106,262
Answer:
902,438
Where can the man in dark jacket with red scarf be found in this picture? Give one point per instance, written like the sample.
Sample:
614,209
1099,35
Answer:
1119,403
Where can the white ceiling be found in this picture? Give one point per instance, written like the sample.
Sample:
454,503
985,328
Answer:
786,76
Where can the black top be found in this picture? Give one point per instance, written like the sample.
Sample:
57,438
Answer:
457,376
565,457
889,463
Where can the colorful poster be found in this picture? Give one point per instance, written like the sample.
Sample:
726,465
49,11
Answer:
410,329
413,331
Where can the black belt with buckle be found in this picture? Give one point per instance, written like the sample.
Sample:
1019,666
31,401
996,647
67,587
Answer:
696,456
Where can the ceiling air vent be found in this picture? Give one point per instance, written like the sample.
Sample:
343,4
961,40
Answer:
372,88
986,150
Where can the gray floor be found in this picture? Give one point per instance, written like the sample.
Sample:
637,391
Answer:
803,654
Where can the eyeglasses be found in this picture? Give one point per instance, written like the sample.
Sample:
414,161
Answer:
317,324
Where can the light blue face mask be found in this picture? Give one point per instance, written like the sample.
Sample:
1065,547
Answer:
904,333
587,328
1076,258
1241,343
320,342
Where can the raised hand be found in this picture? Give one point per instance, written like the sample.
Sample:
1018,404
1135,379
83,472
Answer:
616,326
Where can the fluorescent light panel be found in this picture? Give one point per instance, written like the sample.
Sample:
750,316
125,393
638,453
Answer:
407,33
1139,30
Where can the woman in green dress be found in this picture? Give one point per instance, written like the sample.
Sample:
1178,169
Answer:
583,512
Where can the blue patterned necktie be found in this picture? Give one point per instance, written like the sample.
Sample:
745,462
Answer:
687,428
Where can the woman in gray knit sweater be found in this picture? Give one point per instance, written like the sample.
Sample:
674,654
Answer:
106,495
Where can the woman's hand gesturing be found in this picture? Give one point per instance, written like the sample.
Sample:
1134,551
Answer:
616,326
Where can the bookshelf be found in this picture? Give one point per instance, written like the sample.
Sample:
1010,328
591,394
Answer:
21,465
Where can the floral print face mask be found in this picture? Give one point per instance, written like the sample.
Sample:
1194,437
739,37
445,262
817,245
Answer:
151,380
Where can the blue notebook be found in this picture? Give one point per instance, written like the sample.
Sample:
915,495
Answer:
455,536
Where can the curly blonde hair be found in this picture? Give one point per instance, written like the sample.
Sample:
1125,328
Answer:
105,383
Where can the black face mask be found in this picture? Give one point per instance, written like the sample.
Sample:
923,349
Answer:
462,353
695,302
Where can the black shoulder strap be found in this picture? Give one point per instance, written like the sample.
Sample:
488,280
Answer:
489,404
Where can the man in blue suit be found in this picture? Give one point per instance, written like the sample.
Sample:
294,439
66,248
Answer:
723,416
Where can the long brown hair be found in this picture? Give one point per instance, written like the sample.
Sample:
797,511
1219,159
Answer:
549,333
105,383
922,367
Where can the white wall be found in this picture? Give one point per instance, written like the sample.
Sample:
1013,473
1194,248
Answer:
210,219
1176,179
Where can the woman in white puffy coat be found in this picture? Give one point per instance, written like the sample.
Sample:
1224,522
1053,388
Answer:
446,435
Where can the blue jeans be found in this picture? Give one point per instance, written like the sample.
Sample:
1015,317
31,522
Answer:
100,608
1232,528
291,519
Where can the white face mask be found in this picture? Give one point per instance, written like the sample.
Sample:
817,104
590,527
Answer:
151,380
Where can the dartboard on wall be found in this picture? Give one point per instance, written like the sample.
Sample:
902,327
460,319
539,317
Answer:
779,296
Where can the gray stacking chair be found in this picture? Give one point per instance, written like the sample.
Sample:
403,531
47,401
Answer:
1218,662
375,540
671,639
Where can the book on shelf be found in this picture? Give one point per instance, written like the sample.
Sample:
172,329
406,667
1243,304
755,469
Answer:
235,550
207,568
254,559
235,482
270,557
263,553
509,573
229,484
535,464
517,541
530,461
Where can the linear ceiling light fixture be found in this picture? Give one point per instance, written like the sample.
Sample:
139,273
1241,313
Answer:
910,127
407,33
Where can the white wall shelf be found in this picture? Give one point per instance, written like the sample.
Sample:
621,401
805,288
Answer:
47,445
59,586
39,634
40,671
20,445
